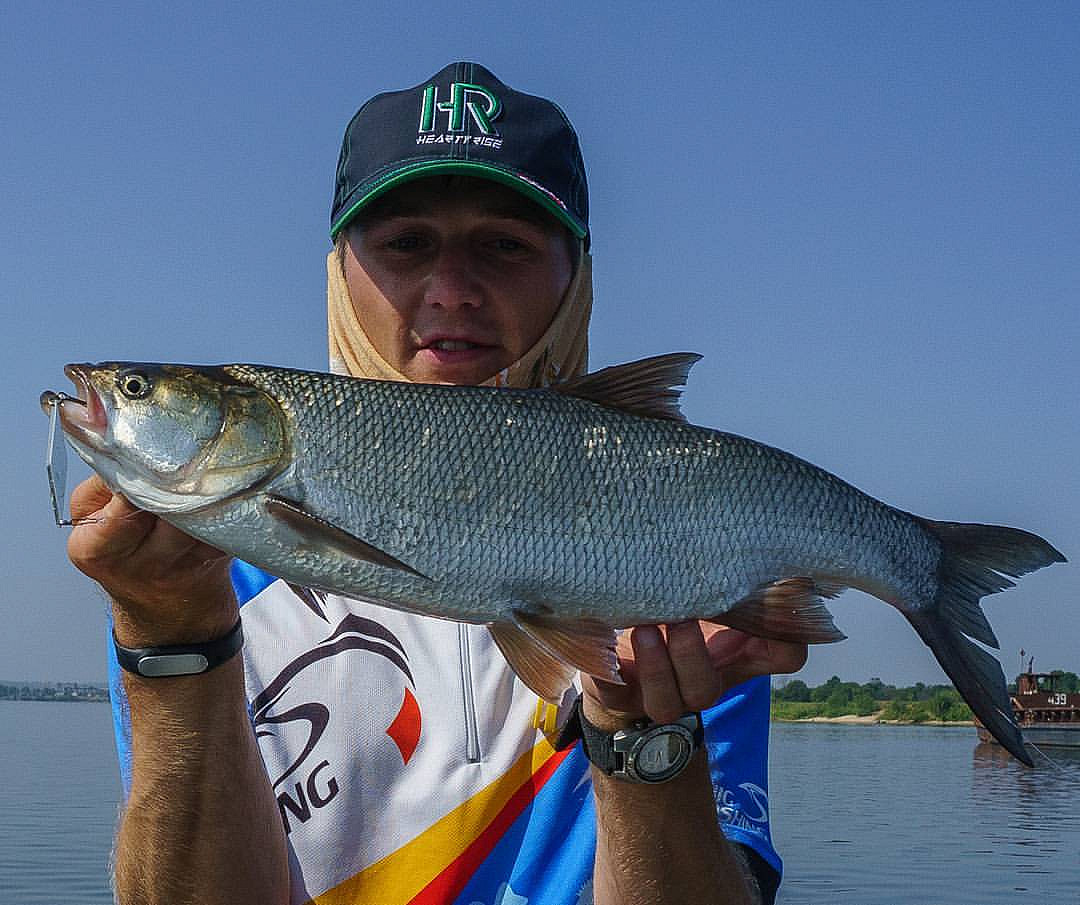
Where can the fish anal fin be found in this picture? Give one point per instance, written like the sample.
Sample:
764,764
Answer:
542,671
321,533
649,387
587,644
789,609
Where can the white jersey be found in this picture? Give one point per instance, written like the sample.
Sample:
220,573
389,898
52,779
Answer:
410,764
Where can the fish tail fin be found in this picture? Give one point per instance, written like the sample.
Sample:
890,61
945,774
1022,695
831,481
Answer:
977,560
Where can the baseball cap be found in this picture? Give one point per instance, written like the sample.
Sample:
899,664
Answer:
462,120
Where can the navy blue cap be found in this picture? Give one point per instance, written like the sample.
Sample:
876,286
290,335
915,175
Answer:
462,120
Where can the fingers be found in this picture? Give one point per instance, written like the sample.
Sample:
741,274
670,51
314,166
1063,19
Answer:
111,527
787,657
163,583
675,674
670,670
699,683
89,497
738,657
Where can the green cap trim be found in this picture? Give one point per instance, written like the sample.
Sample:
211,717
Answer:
531,190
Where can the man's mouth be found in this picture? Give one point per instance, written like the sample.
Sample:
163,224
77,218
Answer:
454,345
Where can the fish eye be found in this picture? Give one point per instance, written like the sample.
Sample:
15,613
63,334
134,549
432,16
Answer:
134,384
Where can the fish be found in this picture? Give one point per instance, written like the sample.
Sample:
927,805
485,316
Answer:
556,516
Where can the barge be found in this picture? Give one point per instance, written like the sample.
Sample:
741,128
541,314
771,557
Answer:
1047,717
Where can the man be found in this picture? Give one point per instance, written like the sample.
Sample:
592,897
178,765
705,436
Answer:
356,754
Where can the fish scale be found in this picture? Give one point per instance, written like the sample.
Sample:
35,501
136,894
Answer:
560,512
553,515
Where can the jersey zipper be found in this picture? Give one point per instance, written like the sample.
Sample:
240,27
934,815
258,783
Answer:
472,731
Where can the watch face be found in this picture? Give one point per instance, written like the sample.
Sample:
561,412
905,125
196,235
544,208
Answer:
662,753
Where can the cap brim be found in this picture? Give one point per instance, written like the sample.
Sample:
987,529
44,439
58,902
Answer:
517,181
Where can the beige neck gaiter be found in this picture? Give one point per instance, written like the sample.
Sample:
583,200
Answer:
562,352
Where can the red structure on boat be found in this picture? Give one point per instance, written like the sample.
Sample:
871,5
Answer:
1045,715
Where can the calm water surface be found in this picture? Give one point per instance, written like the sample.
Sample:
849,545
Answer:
864,815
914,815
59,803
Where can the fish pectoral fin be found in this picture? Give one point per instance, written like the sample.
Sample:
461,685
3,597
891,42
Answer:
318,531
649,388
586,644
537,667
789,609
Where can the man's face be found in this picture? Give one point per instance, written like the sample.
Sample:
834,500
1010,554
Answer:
469,275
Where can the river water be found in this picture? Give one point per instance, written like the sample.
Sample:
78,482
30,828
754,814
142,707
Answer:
863,815
921,815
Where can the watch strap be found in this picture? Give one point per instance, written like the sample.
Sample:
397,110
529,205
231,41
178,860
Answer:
597,744
180,659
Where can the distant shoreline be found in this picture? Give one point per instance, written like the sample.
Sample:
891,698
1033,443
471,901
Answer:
873,719
54,692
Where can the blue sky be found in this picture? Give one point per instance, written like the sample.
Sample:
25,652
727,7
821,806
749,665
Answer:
866,216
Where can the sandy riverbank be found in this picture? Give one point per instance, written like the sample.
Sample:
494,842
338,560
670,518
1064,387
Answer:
873,719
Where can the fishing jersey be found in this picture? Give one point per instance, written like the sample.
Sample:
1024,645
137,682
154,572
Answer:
412,767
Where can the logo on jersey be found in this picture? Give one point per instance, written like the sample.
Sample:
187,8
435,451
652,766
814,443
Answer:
301,785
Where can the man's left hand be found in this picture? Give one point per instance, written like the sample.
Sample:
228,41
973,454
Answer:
686,666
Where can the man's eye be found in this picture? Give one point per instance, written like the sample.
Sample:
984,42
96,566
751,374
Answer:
405,243
508,244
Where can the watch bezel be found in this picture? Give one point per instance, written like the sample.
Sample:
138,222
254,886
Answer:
631,742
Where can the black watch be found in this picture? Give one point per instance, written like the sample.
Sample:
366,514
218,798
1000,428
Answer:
647,752
180,659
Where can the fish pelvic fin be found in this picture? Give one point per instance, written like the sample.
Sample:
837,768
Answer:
977,560
586,644
547,675
650,388
546,651
789,609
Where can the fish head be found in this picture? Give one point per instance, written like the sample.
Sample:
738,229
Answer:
173,438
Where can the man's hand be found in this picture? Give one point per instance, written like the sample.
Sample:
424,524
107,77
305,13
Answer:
166,587
671,670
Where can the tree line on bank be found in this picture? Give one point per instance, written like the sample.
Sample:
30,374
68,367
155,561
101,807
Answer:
52,691
918,703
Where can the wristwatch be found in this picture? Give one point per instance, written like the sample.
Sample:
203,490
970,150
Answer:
180,659
647,752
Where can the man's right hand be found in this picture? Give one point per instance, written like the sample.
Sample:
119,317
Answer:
199,788
166,587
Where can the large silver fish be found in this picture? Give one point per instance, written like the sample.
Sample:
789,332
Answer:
551,515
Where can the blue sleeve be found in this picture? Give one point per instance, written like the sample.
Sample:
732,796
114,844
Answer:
247,581
737,739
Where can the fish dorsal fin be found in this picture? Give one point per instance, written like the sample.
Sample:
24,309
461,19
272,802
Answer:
649,387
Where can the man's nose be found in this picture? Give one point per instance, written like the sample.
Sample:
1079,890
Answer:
451,281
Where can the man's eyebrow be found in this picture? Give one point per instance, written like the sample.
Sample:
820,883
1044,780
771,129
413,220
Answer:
526,212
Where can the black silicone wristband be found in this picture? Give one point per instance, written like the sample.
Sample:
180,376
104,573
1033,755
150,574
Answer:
180,659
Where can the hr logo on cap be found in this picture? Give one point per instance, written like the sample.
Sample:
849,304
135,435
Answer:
482,105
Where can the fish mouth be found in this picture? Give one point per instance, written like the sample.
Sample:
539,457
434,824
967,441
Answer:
87,420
